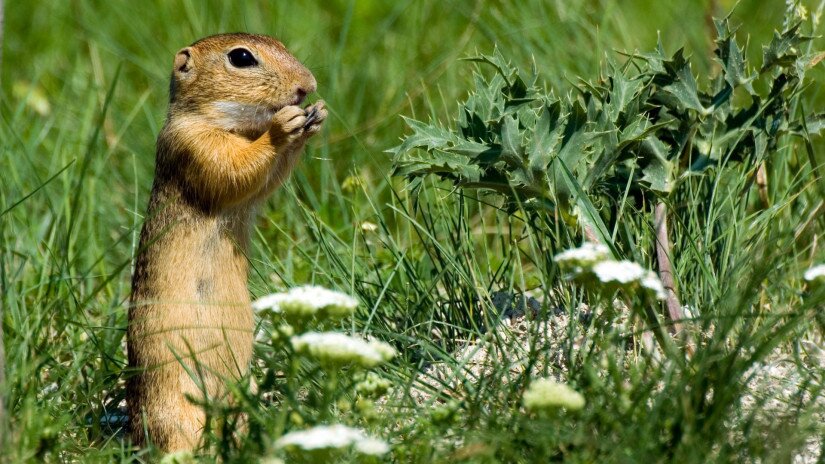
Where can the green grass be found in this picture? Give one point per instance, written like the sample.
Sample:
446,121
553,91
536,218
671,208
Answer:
76,178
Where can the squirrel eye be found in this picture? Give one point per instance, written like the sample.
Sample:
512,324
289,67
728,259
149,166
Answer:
242,58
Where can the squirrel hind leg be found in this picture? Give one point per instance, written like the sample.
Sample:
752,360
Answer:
170,421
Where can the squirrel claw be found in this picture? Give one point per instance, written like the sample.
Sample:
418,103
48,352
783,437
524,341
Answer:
311,117
315,115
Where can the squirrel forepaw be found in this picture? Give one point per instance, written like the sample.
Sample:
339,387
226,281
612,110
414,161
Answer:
288,123
315,116
293,122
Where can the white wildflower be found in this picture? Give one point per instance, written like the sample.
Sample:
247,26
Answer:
621,272
321,437
338,348
690,311
815,273
583,257
547,394
327,437
372,446
307,301
629,275
651,282
368,226
384,350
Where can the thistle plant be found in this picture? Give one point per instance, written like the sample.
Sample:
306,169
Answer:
636,136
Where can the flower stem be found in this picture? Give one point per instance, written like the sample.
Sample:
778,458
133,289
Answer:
663,258
329,393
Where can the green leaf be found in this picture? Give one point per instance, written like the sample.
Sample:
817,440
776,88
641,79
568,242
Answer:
510,140
783,51
545,136
657,170
574,134
814,124
498,61
616,147
589,212
731,57
426,136
683,87
657,58
572,150
760,144
622,92
439,162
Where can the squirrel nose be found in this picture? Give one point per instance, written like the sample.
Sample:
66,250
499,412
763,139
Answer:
300,95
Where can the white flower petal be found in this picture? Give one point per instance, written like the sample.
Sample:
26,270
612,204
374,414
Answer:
815,273
622,272
372,446
321,437
651,282
335,436
307,301
338,348
584,256
271,302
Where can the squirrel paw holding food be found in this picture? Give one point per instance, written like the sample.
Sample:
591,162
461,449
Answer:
234,132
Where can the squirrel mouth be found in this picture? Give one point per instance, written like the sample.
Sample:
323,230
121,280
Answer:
249,118
299,98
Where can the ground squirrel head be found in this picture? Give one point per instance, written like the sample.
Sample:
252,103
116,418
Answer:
237,81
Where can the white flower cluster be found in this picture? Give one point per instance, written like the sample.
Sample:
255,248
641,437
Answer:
592,259
328,437
583,257
547,394
625,273
334,348
816,273
307,301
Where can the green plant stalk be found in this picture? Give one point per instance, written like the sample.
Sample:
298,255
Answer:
329,394
291,391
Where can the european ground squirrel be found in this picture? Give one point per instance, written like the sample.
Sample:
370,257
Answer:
233,133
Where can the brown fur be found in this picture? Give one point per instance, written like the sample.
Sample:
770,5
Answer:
232,136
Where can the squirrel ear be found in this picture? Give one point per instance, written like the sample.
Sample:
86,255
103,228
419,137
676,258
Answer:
183,71
183,61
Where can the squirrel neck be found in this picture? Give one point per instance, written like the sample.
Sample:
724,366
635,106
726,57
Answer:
177,206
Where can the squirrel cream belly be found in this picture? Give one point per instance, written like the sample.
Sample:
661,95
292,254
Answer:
233,133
